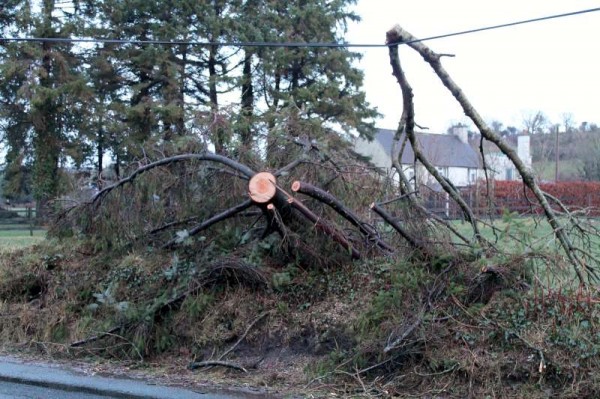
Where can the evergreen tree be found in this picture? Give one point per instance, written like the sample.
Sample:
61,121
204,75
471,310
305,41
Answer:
15,124
320,82
42,96
80,103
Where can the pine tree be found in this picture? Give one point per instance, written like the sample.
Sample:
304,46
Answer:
14,119
81,103
321,83
42,96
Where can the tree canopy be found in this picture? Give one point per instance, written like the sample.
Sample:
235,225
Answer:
63,103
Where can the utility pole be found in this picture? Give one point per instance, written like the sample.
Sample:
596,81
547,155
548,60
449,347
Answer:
556,156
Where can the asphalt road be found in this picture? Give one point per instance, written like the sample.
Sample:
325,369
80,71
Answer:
34,381
11,390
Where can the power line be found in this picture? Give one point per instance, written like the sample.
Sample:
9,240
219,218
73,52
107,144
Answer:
286,44
526,21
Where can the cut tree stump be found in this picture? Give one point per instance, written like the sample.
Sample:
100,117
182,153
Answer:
262,187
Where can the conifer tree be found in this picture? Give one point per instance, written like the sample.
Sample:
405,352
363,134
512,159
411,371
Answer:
322,83
42,94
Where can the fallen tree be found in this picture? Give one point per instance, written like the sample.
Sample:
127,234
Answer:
280,211
581,260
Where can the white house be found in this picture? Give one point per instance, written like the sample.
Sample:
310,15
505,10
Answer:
500,167
451,154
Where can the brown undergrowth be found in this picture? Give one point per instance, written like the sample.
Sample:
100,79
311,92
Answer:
266,298
386,327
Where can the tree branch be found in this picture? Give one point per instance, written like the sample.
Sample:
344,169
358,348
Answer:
324,227
213,220
244,171
399,35
405,234
336,205
407,96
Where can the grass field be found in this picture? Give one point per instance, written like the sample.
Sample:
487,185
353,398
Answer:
536,233
518,236
13,239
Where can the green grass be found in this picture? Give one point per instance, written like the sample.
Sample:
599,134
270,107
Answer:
567,169
517,236
13,239
535,232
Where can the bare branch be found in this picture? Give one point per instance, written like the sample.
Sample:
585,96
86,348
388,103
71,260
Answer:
212,363
331,231
408,114
259,318
399,35
401,230
213,220
245,172
336,205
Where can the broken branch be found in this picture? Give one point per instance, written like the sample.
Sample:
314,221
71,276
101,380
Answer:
392,222
408,124
212,363
336,205
398,35
213,220
324,227
259,318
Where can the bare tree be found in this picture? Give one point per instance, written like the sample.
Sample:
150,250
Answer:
535,122
568,122
590,158
496,126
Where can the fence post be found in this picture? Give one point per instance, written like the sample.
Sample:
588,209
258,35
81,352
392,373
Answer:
30,218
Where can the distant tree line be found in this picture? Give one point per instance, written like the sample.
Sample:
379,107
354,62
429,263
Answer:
575,144
63,103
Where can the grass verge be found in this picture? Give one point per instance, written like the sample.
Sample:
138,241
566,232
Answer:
18,238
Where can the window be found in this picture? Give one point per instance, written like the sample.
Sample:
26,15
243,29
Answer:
472,176
509,174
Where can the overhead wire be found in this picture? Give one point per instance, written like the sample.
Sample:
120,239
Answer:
289,44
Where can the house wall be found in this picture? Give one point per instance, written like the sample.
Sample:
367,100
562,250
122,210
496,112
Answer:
523,149
500,167
460,177
379,157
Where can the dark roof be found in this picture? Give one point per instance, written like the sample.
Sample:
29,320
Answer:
440,149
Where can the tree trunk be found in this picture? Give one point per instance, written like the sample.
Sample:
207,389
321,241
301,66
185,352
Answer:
217,130
247,101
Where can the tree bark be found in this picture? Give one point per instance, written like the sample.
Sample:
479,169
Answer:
331,231
214,220
401,230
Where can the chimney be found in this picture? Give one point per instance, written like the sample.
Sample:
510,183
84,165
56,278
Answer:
523,144
461,132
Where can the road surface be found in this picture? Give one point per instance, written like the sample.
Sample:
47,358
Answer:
34,381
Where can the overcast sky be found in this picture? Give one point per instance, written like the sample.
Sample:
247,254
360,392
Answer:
552,66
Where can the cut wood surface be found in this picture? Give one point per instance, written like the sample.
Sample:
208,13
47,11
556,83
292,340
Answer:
262,187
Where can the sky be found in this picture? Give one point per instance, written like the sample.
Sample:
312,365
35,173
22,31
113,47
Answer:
508,74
